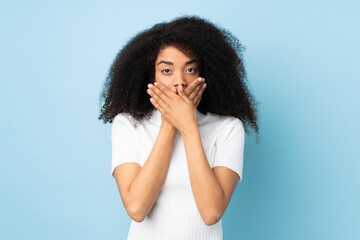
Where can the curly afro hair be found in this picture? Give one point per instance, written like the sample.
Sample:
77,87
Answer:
219,55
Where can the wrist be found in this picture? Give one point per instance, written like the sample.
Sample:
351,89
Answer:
190,130
165,125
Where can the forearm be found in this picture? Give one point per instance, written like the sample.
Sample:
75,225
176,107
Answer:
147,184
208,194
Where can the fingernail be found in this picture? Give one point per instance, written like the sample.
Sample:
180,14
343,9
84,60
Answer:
155,83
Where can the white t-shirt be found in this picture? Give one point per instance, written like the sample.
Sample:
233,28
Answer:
174,214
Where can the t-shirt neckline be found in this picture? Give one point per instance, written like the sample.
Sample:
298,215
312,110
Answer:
156,116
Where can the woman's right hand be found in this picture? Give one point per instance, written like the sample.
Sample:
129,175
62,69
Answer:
194,92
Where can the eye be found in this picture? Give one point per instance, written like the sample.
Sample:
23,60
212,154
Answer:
166,71
191,70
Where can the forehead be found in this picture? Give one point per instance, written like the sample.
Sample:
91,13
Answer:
173,53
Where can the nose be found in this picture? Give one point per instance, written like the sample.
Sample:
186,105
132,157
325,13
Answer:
180,80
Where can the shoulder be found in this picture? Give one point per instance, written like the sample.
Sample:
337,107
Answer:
124,119
233,122
228,126
124,122
226,122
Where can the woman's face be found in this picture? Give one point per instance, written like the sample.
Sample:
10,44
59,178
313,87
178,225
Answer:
174,68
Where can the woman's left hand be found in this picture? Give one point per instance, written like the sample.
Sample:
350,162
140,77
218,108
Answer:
179,110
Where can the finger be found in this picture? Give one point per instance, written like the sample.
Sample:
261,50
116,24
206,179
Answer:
156,105
196,104
197,100
192,86
182,94
196,91
163,91
199,95
155,97
175,90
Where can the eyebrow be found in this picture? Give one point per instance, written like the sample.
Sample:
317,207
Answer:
170,63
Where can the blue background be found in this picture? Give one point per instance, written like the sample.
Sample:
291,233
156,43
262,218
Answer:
302,59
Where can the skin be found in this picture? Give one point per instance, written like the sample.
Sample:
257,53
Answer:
176,94
174,69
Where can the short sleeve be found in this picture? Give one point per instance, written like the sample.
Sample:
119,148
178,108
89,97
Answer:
230,146
123,142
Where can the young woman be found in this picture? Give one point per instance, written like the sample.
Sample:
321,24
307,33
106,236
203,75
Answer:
180,107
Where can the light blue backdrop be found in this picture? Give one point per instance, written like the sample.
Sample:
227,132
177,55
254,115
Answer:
302,59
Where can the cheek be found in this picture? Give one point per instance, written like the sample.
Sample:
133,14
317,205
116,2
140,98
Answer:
158,77
162,79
